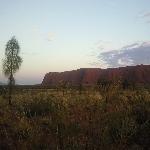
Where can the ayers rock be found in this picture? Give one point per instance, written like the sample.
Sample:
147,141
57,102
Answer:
139,74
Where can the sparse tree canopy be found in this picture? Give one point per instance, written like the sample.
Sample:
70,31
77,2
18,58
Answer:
12,62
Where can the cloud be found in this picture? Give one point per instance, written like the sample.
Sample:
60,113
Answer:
100,46
134,54
148,21
131,46
51,36
104,46
145,16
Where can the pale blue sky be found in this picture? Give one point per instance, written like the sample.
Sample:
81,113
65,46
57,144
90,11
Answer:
59,35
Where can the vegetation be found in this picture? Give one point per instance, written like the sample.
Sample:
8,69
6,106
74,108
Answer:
93,119
11,63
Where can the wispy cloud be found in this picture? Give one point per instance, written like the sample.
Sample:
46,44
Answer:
51,36
148,21
104,46
145,16
134,54
134,45
100,47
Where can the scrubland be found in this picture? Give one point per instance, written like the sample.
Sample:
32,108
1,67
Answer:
69,119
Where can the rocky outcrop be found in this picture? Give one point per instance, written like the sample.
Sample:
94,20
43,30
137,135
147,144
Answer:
89,76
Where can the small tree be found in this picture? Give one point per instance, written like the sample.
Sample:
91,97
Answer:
11,63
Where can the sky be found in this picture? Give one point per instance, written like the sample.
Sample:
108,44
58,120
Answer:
61,35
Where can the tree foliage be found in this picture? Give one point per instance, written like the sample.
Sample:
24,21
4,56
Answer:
12,62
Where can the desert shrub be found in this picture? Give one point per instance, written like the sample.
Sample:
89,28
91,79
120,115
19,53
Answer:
48,120
37,106
142,135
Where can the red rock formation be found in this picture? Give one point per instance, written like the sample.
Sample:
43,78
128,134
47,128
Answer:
88,76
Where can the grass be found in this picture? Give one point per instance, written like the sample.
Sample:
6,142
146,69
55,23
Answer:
93,120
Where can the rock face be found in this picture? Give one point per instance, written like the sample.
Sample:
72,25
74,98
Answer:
139,74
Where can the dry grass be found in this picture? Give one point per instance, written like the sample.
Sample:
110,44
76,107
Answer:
92,120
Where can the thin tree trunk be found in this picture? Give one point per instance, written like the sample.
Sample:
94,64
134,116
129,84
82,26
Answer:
11,79
10,89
